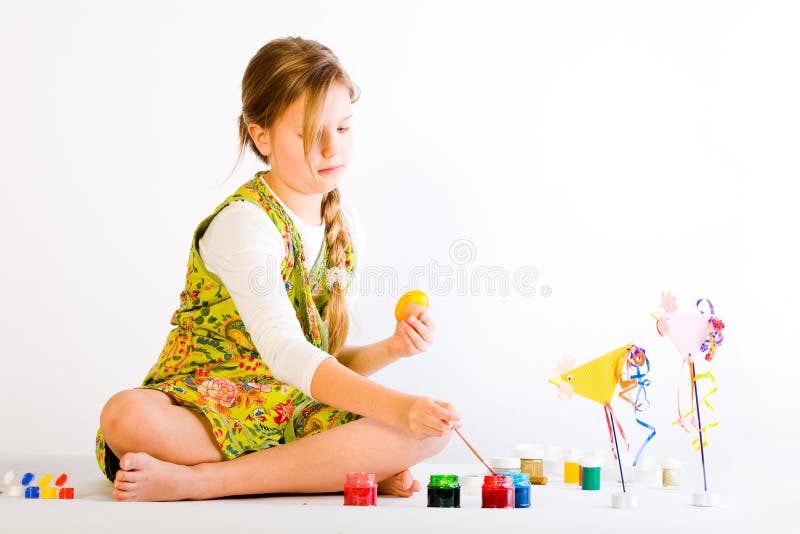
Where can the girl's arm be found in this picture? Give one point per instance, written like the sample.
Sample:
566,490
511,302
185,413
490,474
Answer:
366,359
336,385
411,336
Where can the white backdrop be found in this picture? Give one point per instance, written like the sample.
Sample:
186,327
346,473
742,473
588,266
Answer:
617,148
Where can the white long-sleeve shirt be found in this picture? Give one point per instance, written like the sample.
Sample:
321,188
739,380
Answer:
244,248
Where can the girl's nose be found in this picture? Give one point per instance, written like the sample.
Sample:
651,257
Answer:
329,144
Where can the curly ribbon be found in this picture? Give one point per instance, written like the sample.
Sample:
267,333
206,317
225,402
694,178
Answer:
692,425
637,366
715,335
682,416
713,389
714,339
611,421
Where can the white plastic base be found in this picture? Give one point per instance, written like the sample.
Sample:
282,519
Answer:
15,491
624,500
705,498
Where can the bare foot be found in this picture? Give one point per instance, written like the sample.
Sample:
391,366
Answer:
144,478
401,485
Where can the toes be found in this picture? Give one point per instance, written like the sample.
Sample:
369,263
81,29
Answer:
123,495
400,485
145,478
405,479
127,461
406,493
399,492
124,486
133,461
126,476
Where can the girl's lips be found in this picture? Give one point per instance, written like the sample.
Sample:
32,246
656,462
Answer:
331,169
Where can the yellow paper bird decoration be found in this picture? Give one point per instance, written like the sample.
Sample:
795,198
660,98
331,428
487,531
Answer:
596,380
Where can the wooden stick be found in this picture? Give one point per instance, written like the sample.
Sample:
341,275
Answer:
474,451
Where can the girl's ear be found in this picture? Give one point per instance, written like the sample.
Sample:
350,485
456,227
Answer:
260,137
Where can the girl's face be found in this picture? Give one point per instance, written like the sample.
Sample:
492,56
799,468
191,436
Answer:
330,156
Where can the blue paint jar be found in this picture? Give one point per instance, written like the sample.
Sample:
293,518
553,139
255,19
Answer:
522,490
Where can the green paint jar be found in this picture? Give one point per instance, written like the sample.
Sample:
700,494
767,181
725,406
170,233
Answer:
590,473
444,492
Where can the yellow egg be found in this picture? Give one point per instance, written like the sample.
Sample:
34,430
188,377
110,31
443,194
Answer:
415,302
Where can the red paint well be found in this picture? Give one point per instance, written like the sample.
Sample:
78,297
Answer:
360,489
498,492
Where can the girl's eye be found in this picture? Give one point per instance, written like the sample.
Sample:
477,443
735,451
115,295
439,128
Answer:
344,129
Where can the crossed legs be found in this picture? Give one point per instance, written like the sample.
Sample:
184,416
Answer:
167,452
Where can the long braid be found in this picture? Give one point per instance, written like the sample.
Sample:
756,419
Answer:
337,239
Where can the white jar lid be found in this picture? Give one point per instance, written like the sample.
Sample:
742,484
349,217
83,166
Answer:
671,463
471,480
572,455
8,477
529,452
645,463
590,461
504,462
554,453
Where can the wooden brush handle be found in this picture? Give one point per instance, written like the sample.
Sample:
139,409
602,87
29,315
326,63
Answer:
474,451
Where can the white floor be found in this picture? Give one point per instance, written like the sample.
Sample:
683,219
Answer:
556,508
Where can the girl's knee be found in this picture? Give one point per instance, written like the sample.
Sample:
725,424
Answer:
128,413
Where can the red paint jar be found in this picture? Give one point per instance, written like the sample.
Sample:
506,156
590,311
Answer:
360,489
498,492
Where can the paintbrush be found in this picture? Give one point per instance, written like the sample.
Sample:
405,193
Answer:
474,451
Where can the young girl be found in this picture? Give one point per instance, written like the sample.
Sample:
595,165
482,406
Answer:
255,391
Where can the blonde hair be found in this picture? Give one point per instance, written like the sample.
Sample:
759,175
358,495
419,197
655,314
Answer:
282,71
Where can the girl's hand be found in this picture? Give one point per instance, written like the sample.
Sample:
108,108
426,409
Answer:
428,417
412,336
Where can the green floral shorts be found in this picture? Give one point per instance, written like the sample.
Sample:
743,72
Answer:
246,413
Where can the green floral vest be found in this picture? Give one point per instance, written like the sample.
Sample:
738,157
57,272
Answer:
210,338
